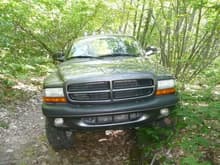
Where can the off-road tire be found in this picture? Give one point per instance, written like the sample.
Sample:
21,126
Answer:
57,138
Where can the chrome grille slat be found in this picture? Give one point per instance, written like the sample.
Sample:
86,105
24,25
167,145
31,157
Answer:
91,91
114,90
127,89
108,101
110,91
90,96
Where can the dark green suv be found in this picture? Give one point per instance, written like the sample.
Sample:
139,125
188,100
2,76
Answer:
105,82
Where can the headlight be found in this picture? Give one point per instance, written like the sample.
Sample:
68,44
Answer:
166,87
164,84
53,92
54,95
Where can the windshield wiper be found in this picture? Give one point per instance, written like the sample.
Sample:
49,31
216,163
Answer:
119,54
81,57
106,55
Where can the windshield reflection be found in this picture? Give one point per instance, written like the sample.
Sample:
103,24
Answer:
105,46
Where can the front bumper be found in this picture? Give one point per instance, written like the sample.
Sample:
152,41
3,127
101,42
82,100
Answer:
73,115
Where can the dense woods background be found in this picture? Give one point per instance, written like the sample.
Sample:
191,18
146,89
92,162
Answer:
186,31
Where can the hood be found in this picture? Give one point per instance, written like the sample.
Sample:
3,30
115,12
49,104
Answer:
80,68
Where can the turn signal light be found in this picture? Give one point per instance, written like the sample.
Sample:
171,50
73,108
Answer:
54,100
165,91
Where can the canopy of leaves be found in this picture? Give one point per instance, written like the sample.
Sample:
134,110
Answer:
187,32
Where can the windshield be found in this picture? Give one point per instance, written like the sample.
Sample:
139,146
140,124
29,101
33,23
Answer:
105,46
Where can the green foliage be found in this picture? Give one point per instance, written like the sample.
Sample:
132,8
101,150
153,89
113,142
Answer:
24,67
8,94
45,27
4,125
197,125
191,160
32,31
196,133
154,134
186,32
153,139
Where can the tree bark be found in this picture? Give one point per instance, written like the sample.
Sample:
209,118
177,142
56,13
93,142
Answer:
146,26
141,19
135,18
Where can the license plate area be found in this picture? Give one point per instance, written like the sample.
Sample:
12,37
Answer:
110,119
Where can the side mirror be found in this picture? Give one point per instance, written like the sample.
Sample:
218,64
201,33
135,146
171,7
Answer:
59,56
151,50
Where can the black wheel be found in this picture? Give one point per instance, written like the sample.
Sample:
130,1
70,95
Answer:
58,138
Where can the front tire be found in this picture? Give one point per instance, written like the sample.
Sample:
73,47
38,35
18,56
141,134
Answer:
58,138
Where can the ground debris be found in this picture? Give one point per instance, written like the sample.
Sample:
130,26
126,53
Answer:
24,141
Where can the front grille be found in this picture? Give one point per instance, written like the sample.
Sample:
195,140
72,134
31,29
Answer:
89,96
118,84
91,86
110,91
132,93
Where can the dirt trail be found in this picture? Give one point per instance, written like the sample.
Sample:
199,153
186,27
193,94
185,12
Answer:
24,141
25,125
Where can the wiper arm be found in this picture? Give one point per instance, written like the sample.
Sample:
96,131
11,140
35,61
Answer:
107,55
81,57
120,54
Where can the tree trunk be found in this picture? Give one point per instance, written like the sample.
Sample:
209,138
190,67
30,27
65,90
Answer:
135,18
141,19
